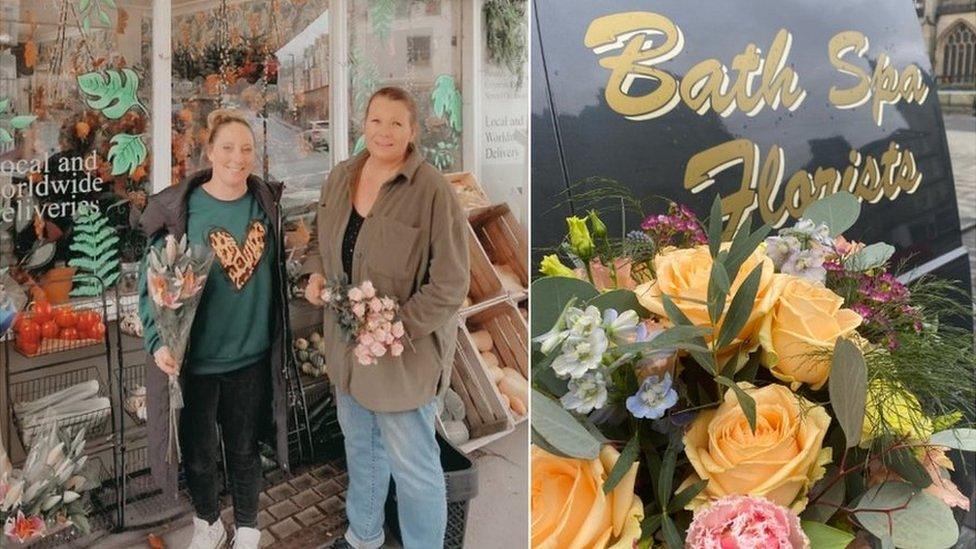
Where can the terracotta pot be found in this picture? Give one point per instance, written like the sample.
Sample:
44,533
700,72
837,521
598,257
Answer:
57,284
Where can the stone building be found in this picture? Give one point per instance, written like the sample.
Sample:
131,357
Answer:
949,32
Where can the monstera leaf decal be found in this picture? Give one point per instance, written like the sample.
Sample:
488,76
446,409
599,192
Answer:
17,122
113,95
447,101
126,154
97,245
95,8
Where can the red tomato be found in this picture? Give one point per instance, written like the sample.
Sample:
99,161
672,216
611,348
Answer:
69,333
86,319
30,332
97,331
50,329
26,347
20,319
66,318
43,311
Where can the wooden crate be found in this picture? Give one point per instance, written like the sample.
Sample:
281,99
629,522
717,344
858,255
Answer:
485,414
469,192
510,336
484,283
505,242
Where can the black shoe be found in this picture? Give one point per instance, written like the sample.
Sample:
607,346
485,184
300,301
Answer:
340,543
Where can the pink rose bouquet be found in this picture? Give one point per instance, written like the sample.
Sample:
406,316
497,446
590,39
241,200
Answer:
368,320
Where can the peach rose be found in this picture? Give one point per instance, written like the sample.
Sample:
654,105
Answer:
570,510
780,461
683,275
801,329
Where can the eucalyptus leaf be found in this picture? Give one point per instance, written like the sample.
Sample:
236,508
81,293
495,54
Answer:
541,442
827,504
872,256
743,244
838,211
561,430
550,294
619,300
913,520
825,537
718,290
959,439
848,389
715,227
741,307
904,462
627,458
746,402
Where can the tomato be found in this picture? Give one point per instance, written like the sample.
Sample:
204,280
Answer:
86,319
50,329
97,331
65,317
30,332
27,348
43,311
20,319
69,333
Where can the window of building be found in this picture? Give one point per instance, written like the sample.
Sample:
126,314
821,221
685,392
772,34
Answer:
418,51
959,56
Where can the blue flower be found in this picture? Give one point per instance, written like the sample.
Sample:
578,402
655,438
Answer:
586,394
621,328
653,398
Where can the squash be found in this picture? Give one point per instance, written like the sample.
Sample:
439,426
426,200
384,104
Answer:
490,359
482,340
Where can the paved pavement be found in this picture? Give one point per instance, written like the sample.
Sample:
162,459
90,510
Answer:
961,134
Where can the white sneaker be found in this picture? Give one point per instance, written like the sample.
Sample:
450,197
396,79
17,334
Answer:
207,536
247,538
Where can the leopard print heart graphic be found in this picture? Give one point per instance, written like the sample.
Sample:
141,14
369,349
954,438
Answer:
239,262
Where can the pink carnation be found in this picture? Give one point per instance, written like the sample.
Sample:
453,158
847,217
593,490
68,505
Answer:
745,522
369,292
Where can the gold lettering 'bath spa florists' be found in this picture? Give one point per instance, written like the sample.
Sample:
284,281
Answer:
785,390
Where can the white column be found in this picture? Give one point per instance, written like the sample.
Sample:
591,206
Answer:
162,95
339,80
472,54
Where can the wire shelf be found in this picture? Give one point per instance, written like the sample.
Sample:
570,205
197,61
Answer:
95,419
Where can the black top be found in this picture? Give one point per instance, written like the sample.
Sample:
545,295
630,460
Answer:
349,241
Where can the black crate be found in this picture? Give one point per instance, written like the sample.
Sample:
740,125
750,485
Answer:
461,477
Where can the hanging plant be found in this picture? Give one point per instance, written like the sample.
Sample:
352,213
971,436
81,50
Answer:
96,242
17,122
505,34
446,100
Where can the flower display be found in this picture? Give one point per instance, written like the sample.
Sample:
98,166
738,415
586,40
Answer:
746,521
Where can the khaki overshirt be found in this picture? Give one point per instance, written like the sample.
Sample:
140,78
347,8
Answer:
413,246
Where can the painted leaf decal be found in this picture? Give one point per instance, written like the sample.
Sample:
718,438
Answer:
4,103
114,95
447,100
5,136
21,122
126,154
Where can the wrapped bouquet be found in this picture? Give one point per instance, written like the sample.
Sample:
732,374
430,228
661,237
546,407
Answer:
368,321
763,390
176,275
47,493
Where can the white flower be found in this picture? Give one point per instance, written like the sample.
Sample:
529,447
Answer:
621,328
586,394
580,355
582,323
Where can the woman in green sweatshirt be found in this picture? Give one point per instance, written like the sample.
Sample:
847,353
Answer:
235,365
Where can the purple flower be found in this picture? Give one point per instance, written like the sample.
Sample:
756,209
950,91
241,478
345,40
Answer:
654,397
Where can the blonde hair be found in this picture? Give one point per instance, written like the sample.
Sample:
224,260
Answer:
222,117
401,95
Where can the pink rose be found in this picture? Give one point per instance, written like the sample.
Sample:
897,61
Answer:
389,315
375,305
396,349
369,292
355,294
398,329
381,335
326,295
366,338
388,303
359,310
363,355
377,349
740,522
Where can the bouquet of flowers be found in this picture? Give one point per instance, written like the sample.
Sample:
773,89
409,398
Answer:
176,275
47,493
761,390
367,320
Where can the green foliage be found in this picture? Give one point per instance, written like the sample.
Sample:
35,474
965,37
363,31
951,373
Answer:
825,537
17,122
838,211
96,242
561,430
127,153
446,101
113,93
896,511
848,388
92,9
627,458
550,295
505,36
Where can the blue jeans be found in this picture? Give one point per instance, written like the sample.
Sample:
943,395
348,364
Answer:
379,444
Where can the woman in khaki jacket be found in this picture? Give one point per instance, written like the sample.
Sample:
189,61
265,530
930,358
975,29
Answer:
388,216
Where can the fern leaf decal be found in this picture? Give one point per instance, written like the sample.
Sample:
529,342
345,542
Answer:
97,246
114,95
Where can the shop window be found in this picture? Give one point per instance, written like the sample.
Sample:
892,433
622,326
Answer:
413,45
75,88
959,56
268,59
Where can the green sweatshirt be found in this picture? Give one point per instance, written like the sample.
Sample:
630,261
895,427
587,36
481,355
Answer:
232,327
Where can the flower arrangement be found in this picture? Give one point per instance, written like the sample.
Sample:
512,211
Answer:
175,276
47,493
762,390
366,319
